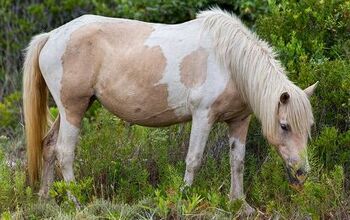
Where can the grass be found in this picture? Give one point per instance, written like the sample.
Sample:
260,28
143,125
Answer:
134,172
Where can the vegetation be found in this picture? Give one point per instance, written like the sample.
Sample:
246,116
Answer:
136,173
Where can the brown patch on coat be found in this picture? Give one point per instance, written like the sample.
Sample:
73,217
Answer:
110,61
194,68
80,61
228,106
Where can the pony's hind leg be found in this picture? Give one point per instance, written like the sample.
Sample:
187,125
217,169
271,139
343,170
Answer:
68,135
67,139
49,144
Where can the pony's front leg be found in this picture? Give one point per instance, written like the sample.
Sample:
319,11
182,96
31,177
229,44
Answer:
200,130
238,130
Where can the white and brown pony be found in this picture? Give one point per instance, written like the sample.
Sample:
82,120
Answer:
206,70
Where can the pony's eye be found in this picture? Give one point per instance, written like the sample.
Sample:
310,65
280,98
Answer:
284,127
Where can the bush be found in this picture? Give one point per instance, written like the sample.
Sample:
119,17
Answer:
13,190
125,160
331,101
10,114
121,158
322,197
62,191
311,30
329,187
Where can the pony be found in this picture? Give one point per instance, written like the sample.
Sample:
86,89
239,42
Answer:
207,70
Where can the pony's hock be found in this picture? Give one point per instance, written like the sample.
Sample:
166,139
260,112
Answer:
206,70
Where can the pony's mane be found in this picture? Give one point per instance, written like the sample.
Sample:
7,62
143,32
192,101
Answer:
259,77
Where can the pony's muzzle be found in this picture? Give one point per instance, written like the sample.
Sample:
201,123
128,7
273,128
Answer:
297,177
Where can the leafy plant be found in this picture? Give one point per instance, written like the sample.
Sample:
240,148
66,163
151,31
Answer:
13,190
62,192
9,113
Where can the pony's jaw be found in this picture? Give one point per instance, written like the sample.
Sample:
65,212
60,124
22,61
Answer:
295,161
292,148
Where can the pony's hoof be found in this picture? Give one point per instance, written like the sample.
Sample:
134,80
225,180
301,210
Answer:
184,188
74,200
247,210
43,194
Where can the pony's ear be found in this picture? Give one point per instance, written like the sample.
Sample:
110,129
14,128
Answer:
310,90
284,97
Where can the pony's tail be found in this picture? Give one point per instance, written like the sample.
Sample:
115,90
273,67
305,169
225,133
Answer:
35,102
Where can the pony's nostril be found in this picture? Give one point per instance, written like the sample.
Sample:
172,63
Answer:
300,172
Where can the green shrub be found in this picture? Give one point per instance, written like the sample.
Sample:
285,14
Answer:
270,189
62,191
13,190
331,101
331,148
10,113
311,29
123,160
328,188
323,194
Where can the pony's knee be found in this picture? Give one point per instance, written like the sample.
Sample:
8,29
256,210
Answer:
237,154
65,147
64,156
193,163
237,166
237,163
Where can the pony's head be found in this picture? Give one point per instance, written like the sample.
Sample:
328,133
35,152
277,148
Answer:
283,108
293,121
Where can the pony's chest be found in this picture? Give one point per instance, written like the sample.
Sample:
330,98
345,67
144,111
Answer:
228,105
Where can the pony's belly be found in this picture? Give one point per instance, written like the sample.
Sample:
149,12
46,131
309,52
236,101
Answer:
142,110
138,97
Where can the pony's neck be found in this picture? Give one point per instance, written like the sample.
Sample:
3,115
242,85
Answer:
261,91
258,76
261,83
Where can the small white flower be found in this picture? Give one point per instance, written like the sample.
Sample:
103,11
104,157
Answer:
3,138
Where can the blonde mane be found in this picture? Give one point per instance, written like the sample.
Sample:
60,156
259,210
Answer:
259,77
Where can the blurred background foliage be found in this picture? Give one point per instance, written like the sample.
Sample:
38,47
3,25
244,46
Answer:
312,40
